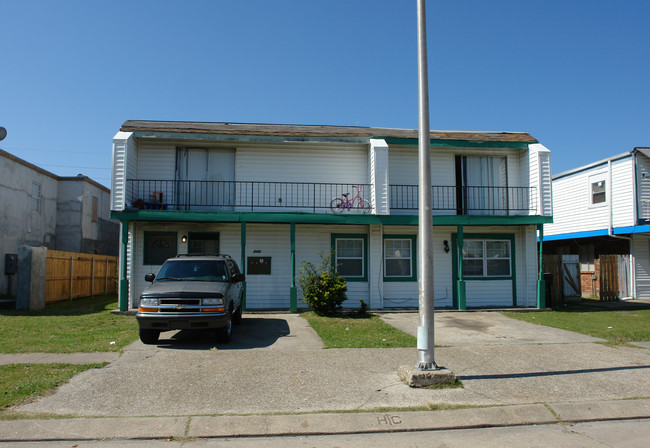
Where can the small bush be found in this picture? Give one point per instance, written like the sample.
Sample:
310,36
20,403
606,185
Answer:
323,289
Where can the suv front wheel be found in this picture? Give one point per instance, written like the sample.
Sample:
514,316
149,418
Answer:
225,333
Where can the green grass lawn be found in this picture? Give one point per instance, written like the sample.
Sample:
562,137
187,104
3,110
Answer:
354,331
81,325
20,383
616,326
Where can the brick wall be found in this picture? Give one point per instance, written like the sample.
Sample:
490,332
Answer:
590,281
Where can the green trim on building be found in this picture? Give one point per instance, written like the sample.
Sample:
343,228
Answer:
456,265
364,237
123,297
293,291
459,143
242,263
414,270
325,218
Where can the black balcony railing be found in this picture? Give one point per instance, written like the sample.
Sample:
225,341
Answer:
461,200
238,195
317,197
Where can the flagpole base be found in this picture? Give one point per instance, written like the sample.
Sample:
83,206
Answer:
414,377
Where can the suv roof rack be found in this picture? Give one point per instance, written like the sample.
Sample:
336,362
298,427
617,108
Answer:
200,254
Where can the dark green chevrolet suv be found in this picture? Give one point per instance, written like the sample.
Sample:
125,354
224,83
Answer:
192,293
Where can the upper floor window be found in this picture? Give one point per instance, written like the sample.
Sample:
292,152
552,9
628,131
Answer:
36,197
597,189
482,185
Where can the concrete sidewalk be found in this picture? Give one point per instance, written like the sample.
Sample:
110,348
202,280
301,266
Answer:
521,373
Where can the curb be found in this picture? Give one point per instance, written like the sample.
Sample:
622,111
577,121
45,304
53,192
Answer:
319,424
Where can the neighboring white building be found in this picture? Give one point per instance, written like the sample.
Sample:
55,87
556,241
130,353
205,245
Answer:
262,193
42,209
604,208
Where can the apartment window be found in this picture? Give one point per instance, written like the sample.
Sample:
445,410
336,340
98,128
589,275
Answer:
598,189
350,254
487,258
158,247
399,258
204,243
36,197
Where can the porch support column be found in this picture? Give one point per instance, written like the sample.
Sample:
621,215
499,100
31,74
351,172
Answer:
293,292
541,284
460,283
124,282
243,263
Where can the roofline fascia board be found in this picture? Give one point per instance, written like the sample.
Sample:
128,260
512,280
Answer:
599,232
324,218
247,138
593,165
251,138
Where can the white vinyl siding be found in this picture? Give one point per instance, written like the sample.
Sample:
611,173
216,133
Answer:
481,293
622,191
403,170
378,171
156,162
326,164
641,249
124,167
643,186
572,194
268,291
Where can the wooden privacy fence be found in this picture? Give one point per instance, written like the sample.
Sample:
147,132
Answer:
71,275
614,277
552,264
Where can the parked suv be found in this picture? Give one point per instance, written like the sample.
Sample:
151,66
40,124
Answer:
192,293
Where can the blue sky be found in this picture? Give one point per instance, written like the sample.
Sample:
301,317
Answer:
572,73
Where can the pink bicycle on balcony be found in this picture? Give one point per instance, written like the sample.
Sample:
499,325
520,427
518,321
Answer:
339,205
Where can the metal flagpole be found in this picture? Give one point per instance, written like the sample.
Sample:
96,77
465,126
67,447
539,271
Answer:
425,335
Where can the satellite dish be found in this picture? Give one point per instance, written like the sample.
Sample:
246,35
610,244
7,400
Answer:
3,133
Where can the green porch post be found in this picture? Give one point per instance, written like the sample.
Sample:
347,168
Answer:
460,283
243,263
541,284
123,297
293,292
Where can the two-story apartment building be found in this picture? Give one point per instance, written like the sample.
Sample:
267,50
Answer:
267,195
604,208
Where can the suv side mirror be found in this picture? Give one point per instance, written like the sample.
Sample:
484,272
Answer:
238,278
149,277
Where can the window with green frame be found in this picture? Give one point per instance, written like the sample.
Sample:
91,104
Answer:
399,258
350,253
486,258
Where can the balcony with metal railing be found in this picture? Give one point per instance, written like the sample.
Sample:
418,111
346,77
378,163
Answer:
252,196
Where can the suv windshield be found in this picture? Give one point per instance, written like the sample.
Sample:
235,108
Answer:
199,270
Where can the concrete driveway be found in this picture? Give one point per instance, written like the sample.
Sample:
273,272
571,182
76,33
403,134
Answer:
275,363
485,327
